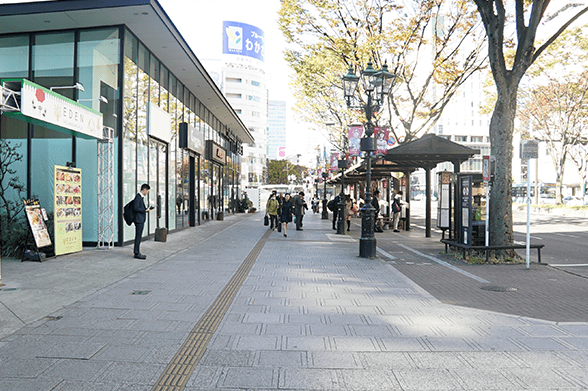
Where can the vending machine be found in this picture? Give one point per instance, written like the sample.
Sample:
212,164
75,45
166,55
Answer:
471,201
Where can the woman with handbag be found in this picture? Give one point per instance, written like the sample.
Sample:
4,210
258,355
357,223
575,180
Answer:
272,210
286,213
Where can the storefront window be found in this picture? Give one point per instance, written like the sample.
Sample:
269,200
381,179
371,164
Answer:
98,59
53,61
144,175
14,137
205,175
154,74
14,52
129,163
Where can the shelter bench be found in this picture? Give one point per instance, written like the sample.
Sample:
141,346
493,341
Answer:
487,249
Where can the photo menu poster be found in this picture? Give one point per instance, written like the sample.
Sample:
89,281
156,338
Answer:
68,210
37,223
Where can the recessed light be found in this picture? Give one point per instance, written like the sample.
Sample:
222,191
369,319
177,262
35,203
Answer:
144,13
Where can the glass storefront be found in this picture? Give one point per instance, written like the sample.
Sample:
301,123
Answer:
186,188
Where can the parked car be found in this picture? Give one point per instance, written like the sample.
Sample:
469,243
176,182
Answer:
573,201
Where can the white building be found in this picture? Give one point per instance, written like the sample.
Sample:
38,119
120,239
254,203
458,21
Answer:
277,130
241,76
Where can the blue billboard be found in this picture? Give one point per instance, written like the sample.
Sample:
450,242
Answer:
244,40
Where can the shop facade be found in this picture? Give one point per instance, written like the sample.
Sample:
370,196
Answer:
145,99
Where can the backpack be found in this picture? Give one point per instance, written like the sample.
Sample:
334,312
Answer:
129,213
396,206
331,205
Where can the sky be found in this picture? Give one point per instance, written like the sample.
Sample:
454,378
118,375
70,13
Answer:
203,18
200,23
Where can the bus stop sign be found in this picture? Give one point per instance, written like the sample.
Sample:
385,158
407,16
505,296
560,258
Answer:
529,149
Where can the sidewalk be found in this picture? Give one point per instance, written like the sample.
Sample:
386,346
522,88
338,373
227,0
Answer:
231,305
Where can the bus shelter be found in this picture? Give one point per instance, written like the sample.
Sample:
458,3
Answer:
425,152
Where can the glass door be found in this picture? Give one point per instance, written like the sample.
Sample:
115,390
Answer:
158,158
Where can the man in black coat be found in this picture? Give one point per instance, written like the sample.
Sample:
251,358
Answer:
336,212
140,216
299,207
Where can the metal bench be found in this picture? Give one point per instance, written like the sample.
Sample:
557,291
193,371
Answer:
487,249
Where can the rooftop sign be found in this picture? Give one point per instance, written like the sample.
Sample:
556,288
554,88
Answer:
243,39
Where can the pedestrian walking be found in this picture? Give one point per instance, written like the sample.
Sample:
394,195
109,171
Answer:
315,204
140,217
348,211
271,208
397,204
299,208
336,212
286,213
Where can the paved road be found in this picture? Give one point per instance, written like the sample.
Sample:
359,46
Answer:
565,237
231,305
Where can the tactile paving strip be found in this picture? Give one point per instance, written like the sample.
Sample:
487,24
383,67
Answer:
176,374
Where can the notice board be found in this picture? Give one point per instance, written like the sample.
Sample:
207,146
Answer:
68,210
37,223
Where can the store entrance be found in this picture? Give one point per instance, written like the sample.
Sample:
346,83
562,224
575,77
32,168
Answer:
158,181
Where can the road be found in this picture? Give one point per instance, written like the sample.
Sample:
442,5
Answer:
565,237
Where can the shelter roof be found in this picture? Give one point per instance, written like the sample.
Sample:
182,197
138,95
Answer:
428,151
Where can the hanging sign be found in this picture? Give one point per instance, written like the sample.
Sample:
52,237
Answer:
68,210
191,138
50,109
334,164
355,132
381,135
37,223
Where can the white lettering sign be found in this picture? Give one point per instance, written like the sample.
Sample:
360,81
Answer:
42,104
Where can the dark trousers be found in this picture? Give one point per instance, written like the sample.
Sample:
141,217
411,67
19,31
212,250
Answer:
299,221
138,235
273,221
335,215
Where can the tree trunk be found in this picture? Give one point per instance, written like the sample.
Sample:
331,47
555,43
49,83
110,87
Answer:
501,131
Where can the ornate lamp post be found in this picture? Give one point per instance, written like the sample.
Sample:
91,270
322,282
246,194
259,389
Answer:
325,213
376,85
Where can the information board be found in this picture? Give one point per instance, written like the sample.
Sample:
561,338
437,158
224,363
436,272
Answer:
37,223
68,210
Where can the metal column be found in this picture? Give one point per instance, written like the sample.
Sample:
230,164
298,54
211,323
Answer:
106,189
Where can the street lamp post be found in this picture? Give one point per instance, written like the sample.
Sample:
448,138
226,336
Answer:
325,213
376,85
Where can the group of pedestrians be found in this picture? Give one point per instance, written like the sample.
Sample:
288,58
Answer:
282,209
349,210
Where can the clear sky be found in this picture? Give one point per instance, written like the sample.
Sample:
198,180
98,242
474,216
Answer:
200,23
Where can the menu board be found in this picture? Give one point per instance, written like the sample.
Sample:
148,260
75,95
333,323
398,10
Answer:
37,223
68,210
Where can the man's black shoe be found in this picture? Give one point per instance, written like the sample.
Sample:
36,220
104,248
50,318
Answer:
140,256
396,230
299,229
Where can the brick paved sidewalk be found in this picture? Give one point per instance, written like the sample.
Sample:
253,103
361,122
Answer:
541,292
250,309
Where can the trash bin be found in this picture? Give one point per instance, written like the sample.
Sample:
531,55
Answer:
161,234
220,215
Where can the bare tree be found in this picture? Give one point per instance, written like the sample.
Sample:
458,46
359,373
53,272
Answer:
429,45
507,74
